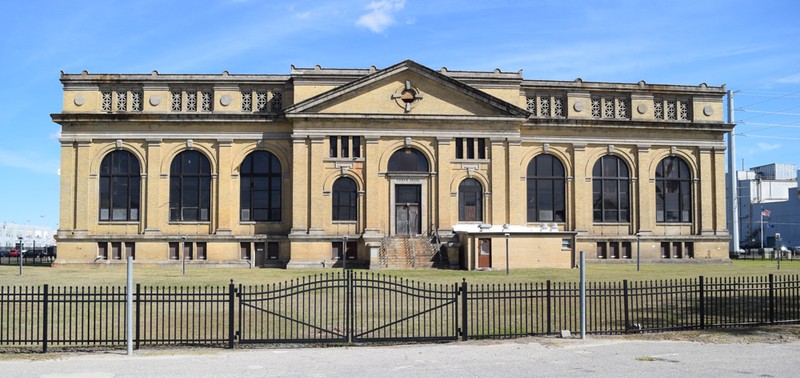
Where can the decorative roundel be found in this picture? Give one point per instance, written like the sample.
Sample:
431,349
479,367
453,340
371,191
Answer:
407,96
578,106
708,110
155,100
225,100
641,108
79,100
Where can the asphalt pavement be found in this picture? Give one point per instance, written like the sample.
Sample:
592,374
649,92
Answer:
529,357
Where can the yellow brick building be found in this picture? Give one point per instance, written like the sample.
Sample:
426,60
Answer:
398,167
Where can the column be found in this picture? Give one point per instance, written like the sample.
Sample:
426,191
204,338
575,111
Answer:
300,173
83,159
500,176
645,192
517,197
316,212
442,215
720,208
372,154
225,192
153,210
66,218
581,192
707,182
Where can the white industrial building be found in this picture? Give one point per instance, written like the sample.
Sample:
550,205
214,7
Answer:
769,206
33,237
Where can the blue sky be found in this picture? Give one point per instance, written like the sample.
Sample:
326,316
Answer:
751,46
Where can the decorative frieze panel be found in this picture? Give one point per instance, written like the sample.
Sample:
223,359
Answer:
671,109
610,107
546,105
105,101
262,101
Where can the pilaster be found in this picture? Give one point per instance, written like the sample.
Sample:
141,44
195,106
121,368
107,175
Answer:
317,210
225,193
300,172
83,159
720,208
707,181
499,189
645,200
372,151
581,191
517,214
151,207
443,217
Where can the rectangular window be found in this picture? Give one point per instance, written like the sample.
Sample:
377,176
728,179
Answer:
665,250
601,250
244,250
470,148
689,249
130,250
201,250
566,243
173,250
344,147
625,250
336,250
116,250
102,250
273,250
188,253
613,250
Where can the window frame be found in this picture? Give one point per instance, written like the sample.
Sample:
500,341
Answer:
182,190
344,200
673,191
250,179
470,189
611,191
537,185
119,184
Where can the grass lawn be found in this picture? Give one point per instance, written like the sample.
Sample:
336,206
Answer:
115,276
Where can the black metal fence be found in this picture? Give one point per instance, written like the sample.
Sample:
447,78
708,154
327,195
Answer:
349,306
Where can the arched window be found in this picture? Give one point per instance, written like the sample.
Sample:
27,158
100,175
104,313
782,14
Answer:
345,205
408,160
470,201
120,179
190,187
260,187
546,190
673,191
611,190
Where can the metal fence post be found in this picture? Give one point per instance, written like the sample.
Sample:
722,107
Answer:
625,305
549,309
231,296
349,305
45,318
464,317
702,304
138,315
771,298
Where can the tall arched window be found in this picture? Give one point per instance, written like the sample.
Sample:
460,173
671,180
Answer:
120,179
673,191
190,187
260,187
345,206
408,160
546,189
470,201
610,190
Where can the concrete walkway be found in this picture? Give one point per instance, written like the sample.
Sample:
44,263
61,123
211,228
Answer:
514,358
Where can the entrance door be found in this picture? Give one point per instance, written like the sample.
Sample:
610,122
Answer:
407,209
484,253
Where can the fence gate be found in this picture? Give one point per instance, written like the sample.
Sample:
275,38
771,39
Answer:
347,307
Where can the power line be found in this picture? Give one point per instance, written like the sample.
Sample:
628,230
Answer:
766,112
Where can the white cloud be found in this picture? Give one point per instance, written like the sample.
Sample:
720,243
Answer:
380,15
768,147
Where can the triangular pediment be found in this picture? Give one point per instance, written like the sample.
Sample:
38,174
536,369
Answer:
406,89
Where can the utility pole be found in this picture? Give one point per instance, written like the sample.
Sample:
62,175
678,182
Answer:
733,182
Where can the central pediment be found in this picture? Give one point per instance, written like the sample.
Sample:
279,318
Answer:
406,90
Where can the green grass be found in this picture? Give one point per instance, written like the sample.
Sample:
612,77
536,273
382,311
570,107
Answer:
116,276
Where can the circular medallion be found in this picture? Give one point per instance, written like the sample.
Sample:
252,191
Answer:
79,100
578,106
155,100
708,110
641,108
225,100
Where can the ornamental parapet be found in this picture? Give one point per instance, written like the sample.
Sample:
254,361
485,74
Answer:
640,102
